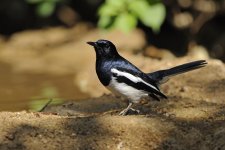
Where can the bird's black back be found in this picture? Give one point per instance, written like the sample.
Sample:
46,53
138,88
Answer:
104,66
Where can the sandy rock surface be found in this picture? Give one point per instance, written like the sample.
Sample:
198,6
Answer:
192,118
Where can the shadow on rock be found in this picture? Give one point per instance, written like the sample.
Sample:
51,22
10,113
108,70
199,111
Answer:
106,103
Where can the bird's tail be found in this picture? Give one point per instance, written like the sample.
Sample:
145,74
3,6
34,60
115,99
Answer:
162,76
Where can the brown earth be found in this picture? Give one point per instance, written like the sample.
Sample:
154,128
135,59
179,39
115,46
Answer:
192,118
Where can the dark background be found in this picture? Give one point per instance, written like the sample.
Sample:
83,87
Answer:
207,28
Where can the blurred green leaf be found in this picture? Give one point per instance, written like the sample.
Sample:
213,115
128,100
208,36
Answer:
125,22
104,21
119,4
154,16
139,7
111,8
46,8
150,15
47,93
38,104
107,10
123,14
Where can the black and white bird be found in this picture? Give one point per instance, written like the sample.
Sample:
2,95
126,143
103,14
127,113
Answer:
123,78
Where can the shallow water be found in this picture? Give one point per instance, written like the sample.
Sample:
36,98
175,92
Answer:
18,90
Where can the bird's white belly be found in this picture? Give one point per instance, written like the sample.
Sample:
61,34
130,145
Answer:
134,95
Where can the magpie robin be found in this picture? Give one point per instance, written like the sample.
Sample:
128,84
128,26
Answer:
123,78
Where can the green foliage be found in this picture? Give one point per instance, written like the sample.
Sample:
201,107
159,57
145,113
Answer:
46,94
44,8
124,14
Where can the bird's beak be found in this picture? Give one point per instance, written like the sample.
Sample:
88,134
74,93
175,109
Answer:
92,43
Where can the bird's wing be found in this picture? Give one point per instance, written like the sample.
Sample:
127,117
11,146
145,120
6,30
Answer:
136,79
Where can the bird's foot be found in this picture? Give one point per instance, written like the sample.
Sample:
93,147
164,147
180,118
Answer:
130,110
135,110
123,112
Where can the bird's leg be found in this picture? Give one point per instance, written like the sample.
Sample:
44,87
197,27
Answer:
125,111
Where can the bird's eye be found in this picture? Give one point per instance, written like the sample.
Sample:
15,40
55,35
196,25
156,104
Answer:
107,45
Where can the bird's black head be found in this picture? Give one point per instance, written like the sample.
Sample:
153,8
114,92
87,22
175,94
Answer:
104,48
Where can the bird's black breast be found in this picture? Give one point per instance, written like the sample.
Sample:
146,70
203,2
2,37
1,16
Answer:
103,70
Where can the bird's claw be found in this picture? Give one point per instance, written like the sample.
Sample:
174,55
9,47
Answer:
126,111
123,112
135,110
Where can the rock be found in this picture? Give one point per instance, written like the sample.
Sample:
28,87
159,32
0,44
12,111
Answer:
154,52
198,51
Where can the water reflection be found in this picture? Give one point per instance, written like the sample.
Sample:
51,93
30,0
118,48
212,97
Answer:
19,90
